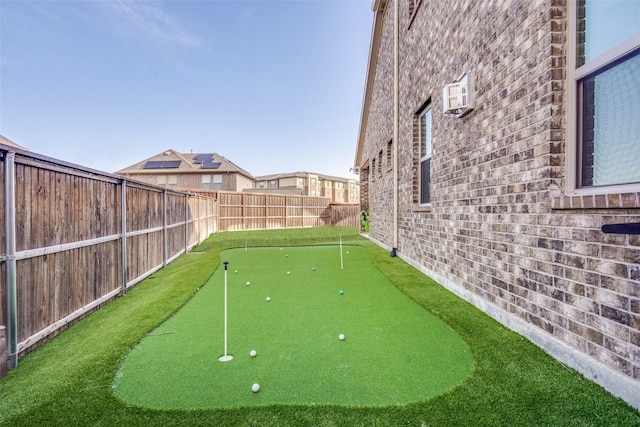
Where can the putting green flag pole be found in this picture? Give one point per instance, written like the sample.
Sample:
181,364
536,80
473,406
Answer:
341,260
226,356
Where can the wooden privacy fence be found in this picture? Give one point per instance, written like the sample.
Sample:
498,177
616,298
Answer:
262,211
74,238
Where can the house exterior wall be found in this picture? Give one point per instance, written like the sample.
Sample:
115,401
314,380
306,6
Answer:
336,190
230,181
378,132
289,182
501,230
237,182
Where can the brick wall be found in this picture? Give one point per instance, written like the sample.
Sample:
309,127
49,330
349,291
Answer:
500,231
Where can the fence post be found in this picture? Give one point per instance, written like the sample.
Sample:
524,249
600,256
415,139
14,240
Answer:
244,210
207,219
199,222
3,351
10,237
186,223
164,228
123,243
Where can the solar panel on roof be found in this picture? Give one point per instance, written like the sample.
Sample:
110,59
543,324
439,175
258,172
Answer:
210,165
203,158
162,164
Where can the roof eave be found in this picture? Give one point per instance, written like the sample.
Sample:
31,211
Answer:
378,7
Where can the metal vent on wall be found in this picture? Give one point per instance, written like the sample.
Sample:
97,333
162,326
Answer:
459,97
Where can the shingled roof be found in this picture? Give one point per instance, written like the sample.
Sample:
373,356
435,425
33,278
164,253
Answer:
172,162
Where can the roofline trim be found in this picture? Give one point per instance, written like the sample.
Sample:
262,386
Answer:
378,7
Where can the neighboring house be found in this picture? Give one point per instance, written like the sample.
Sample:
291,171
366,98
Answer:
6,141
206,171
501,198
339,190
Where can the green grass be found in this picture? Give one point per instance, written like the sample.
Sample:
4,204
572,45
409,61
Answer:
68,381
395,351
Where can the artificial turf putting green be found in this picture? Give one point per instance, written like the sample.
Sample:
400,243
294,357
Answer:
394,353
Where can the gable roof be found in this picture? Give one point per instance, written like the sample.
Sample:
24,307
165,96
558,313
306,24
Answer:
173,162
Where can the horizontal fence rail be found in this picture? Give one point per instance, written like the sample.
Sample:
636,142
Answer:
75,238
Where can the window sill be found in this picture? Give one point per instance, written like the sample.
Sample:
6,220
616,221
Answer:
597,201
422,208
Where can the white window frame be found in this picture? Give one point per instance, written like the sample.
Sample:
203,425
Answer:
217,182
205,182
429,156
572,185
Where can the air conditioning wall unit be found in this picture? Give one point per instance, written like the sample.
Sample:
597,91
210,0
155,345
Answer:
459,97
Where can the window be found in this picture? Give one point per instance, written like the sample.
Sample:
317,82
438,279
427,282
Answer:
167,180
607,66
301,182
217,182
261,184
373,168
206,182
390,155
273,184
425,154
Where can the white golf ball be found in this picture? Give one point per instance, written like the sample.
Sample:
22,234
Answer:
248,283
288,272
255,388
236,271
268,299
341,336
252,353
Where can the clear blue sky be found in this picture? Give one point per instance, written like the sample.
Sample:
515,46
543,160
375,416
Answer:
274,86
